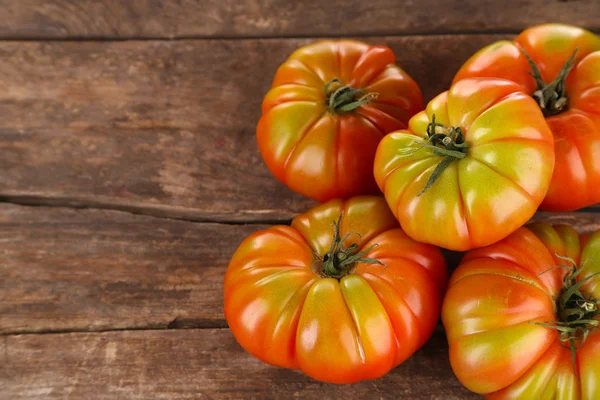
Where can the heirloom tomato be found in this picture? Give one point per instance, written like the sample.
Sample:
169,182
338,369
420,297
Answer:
471,169
559,66
343,294
522,317
330,104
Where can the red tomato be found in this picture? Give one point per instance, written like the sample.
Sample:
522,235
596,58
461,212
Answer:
516,323
297,298
471,169
571,105
330,105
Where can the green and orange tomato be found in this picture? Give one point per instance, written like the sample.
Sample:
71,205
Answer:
521,316
471,168
559,65
342,294
330,104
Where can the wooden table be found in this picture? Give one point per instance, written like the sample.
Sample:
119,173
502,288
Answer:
129,173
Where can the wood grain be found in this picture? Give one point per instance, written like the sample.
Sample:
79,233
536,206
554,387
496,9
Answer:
162,128
89,270
195,364
260,18
69,270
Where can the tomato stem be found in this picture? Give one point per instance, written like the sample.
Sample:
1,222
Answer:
339,260
445,141
552,97
343,98
577,312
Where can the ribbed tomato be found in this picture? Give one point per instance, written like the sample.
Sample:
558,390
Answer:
343,294
522,316
559,65
330,105
471,169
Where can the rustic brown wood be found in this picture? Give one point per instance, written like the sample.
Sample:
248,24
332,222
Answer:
87,270
195,364
163,128
64,270
166,128
583,222
233,18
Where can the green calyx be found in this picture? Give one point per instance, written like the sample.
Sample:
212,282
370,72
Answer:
445,141
342,99
552,97
339,261
577,313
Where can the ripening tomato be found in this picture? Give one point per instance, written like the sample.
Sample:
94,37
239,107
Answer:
330,105
342,301
522,316
471,169
559,65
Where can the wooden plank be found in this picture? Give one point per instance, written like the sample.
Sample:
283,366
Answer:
163,128
582,222
195,364
66,270
88,270
260,18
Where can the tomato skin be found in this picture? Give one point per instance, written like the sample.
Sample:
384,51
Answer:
338,331
488,194
492,298
576,180
324,156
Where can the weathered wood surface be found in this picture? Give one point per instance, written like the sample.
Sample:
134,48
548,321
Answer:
166,128
162,128
194,364
67,270
89,270
261,18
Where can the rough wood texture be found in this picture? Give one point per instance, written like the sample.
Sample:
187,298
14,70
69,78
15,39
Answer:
66,270
583,222
165,128
195,364
89,270
253,18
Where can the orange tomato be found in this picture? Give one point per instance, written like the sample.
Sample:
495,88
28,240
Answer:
471,169
571,106
330,104
337,314
505,305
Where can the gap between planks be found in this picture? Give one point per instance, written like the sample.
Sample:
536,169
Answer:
355,35
220,326
162,212
156,211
